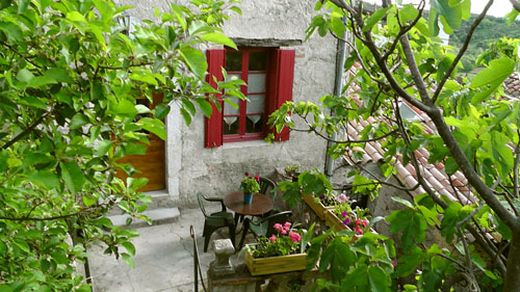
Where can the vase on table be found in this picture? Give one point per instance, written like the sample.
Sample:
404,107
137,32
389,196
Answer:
248,198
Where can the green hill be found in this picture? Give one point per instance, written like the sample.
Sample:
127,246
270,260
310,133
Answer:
489,30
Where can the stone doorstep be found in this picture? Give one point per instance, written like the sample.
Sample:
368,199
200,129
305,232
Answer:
158,216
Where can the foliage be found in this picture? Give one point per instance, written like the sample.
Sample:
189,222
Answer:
465,124
70,75
491,29
352,263
250,185
288,241
354,219
310,183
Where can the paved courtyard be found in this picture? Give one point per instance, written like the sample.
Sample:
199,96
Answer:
163,261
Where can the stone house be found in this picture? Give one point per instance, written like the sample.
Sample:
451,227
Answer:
210,156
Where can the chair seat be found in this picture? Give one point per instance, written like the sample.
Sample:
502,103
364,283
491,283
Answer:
220,218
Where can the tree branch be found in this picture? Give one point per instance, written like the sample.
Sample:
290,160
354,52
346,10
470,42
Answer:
516,166
414,70
473,178
27,130
462,50
516,5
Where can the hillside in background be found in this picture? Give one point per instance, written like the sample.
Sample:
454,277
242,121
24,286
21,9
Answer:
489,30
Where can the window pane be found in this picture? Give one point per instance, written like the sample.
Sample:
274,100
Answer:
256,82
256,104
229,109
258,61
254,123
231,125
233,61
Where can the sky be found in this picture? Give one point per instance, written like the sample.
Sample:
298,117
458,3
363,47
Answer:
499,7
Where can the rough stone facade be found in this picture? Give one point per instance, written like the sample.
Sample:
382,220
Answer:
193,169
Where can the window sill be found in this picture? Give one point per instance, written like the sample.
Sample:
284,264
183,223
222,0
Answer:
244,144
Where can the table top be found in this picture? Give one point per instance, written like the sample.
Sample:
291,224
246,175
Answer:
261,204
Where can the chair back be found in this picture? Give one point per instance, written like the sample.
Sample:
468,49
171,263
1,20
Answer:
201,199
267,186
280,217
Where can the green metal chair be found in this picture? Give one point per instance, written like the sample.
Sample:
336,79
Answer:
216,220
264,226
267,187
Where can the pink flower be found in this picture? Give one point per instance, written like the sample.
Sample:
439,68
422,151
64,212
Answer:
342,198
358,222
283,232
358,230
364,222
287,225
257,178
272,238
278,227
295,237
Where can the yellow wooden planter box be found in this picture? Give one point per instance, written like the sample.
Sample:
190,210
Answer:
319,209
333,221
273,265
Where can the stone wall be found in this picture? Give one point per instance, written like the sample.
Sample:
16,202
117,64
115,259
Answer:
194,169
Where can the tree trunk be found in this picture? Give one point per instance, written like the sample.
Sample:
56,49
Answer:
512,280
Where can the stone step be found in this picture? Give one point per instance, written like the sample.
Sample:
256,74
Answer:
158,216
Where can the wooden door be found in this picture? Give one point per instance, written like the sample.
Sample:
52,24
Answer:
151,165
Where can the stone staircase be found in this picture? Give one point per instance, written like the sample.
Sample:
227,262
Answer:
161,210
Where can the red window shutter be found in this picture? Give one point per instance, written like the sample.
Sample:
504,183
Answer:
213,125
284,84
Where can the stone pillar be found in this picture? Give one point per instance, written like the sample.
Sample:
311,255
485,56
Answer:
223,276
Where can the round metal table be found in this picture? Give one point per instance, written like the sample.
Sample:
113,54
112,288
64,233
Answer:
261,204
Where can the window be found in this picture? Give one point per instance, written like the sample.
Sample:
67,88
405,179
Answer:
268,73
248,121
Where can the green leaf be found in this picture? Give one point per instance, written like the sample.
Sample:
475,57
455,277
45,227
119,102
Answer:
72,176
129,247
449,220
45,178
497,72
22,6
12,31
219,38
144,76
154,126
374,18
89,200
24,75
205,106
378,279
403,202
77,121
409,262
195,60
128,259
412,225
186,115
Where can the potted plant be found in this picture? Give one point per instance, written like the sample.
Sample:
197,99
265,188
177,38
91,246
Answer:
322,203
278,253
249,186
343,217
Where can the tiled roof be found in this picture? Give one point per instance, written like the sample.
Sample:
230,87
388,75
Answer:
512,85
434,174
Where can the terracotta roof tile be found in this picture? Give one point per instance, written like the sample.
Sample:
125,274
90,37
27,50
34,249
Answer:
434,174
512,85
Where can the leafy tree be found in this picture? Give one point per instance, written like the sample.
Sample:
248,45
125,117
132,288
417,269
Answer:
399,60
70,75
